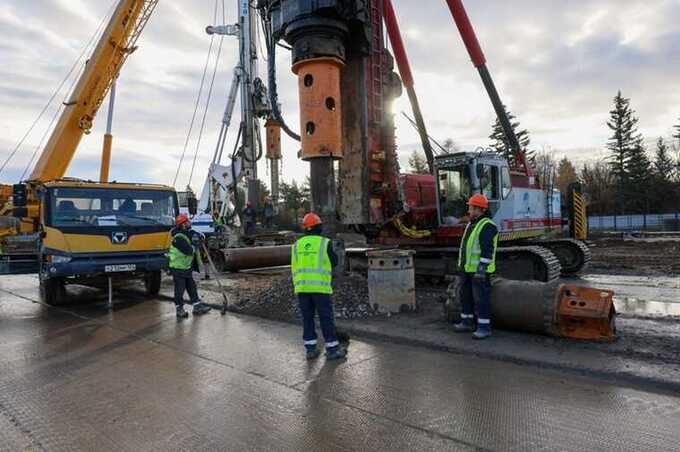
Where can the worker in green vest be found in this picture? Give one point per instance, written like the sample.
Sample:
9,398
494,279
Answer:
312,262
477,262
183,262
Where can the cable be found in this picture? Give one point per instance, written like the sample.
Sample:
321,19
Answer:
273,94
198,101
208,99
61,85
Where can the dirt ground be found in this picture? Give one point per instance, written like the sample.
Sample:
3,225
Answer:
651,256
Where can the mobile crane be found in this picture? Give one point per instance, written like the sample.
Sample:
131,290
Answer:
72,231
347,84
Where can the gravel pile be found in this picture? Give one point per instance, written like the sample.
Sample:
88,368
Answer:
350,300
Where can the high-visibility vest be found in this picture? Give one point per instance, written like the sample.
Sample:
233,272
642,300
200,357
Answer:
179,260
311,266
473,249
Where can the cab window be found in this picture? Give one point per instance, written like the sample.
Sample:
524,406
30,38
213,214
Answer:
489,181
506,184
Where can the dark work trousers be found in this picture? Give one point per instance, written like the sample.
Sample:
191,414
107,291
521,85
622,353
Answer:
477,293
184,283
310,304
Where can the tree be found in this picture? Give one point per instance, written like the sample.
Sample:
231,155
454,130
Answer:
663,162
599,187
418,163
450,146
545,167
501,143
639,170
676,135
664,193
294,198
566,175
622,144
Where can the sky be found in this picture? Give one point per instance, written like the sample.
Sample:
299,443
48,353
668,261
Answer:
557,66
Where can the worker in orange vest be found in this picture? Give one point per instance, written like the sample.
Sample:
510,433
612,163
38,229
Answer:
477,262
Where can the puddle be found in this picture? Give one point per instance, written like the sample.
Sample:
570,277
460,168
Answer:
658,295
635,306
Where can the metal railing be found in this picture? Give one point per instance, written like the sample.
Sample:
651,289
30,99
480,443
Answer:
667,222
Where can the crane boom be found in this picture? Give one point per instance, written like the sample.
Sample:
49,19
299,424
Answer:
115,45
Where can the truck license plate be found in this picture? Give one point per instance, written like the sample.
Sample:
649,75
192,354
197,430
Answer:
120,268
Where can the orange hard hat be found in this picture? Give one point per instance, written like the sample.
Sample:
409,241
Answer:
310,220
181,219
478,200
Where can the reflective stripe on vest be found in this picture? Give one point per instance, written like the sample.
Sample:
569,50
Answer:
179,260
311,266
473,249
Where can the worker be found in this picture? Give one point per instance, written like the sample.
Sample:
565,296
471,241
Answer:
312,262
477,262
249,218
268,213
183,262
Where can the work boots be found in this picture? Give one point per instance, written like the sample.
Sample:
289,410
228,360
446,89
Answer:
334,353
483,331
181,313
200,308
312,352
464,326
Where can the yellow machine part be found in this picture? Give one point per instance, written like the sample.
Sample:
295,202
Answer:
411,233
580,218
87,243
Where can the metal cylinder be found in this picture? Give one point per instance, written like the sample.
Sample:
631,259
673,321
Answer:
106,158
273,129
391,280
320,108
536,307
236,259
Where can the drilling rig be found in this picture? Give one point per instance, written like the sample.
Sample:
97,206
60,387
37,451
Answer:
347,84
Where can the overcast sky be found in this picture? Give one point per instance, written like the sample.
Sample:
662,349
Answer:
557,65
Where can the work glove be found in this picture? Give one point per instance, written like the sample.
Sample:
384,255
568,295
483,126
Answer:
480,274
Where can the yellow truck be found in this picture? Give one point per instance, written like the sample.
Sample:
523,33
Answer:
72,231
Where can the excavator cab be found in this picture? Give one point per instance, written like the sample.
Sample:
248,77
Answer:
462,174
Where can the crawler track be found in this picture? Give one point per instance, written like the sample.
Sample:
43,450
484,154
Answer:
574,255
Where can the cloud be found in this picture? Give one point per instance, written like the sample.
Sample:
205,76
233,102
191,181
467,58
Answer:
557,67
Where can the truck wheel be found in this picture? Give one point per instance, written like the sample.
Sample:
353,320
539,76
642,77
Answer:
52,291
152,282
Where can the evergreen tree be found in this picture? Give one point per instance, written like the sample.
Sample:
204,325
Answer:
623,144
418,163
663,162
639,170
502,145
676,135
663,169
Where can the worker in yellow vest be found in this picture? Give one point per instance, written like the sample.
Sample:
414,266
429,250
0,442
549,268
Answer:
477,262
312,262
183,262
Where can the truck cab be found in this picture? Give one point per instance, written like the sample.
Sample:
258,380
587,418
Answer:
90,232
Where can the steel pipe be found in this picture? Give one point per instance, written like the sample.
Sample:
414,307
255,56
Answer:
236,259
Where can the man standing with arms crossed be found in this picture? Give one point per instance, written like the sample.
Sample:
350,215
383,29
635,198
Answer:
312,262
477,262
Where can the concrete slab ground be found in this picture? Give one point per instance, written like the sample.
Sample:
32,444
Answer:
647,351
81,377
